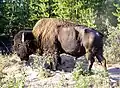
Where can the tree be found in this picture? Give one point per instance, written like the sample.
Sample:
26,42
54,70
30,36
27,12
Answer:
16,14
112,51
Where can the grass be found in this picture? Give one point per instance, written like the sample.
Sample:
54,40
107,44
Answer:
13,83
9,80
3,61
95,79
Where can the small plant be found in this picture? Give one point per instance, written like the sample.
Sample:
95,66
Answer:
94,81
111,50
85,79
12,82
9,80
80,69
15,83
39,65
43,73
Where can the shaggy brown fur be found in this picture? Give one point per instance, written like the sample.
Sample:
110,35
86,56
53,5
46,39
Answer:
57,36
46,30
48,25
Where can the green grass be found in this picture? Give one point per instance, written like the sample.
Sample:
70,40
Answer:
13,83
94,79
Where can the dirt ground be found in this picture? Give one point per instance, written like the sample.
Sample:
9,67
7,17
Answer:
59,79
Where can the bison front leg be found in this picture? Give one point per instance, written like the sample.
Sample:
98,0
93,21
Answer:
56,55
56,61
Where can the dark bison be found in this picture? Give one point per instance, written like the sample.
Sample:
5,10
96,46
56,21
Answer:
24,44
53,37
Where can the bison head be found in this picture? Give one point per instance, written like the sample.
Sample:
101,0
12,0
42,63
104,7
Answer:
24,44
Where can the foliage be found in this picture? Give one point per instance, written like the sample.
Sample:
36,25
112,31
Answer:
9,80
18,14
3,20
112,52
78,11
117,13
15,13
40,9
14,83
38,63
85,79
94,81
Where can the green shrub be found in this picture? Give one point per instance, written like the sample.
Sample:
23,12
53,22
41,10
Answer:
86,80
112,44
111,48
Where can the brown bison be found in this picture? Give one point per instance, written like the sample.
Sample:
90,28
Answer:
53,37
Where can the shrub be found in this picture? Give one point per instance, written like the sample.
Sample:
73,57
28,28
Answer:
84,79
112,44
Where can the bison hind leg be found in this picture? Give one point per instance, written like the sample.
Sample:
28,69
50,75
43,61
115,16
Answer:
102,61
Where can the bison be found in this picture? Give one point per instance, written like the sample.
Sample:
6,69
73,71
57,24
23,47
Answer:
54,36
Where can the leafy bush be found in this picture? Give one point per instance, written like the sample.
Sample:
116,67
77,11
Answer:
112,44
111,48
94,81
98,79
25,13
85,79
81,12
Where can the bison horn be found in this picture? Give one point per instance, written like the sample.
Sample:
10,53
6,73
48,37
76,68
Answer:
22,37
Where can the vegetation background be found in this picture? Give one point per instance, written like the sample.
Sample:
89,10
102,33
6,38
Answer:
103,15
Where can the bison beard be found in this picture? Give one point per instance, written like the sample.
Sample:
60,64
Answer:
56,36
